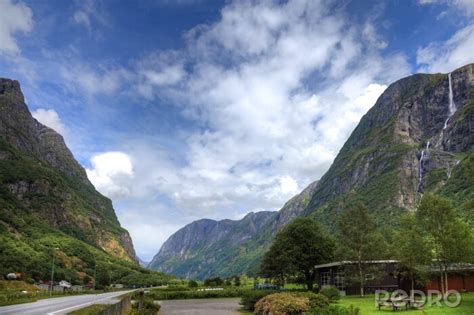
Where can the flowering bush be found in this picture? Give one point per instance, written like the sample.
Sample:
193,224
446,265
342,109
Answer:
282,304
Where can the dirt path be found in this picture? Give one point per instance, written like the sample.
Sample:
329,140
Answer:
201,307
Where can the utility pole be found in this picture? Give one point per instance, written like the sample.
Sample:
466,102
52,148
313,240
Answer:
52,272
95,273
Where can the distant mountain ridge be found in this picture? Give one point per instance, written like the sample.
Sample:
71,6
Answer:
199,245
418,137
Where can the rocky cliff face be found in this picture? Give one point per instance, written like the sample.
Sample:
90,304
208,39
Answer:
418,137
38,173
408,143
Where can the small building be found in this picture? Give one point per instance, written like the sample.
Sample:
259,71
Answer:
383,277
460,278
386,276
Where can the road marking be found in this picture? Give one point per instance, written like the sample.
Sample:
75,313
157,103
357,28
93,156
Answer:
80,305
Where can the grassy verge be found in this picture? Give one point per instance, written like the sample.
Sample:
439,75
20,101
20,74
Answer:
367,307
90,310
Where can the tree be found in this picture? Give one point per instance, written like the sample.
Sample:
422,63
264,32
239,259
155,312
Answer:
451,239
296,250
192,284
237,281
412,249
359,241
213,282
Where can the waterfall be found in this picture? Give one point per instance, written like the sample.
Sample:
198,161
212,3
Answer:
452,106
450,170
423,158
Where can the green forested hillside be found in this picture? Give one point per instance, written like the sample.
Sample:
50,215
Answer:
48,207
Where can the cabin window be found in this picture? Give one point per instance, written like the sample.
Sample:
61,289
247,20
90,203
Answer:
325,278
339,281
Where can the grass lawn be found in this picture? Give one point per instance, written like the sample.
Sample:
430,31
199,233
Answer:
367,307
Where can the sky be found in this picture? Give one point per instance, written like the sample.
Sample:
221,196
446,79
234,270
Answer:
186,109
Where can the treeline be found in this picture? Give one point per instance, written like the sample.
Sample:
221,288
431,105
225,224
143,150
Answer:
433,234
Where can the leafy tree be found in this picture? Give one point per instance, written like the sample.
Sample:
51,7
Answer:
211,282
192,284
103,277
451,238
412,249
237,281
296,250
360,242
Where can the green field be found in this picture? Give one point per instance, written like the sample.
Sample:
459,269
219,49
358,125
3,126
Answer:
367,307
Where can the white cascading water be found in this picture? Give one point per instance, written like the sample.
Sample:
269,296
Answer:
452,106
423,157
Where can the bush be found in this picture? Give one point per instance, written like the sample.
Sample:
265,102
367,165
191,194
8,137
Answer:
160,294
250,298
282,304
192,284
331,292
149,307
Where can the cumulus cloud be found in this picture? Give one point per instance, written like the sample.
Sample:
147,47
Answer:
50,118
111,173
275,90
14,18
447,56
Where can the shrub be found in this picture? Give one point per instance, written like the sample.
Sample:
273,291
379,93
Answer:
192,284
161,294
250,298
149,307
282,304
331,292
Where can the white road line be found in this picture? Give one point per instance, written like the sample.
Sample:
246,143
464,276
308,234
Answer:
80,305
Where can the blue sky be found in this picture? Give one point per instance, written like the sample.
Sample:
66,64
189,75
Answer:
187,109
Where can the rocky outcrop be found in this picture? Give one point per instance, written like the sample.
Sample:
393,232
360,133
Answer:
39,174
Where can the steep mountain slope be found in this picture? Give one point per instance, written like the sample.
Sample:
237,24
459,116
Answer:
418,137
197,249
47,202
408,143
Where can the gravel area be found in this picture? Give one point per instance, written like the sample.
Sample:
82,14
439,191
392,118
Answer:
226,306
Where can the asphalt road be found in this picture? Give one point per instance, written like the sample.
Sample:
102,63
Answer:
61,305
227,306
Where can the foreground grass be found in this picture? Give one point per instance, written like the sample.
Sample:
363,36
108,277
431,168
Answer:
367,307
90,310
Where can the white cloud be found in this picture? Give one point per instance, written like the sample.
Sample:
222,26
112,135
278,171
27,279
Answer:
464,6
447,56
14,18
88,14
111,173
84,79
50,118
266,128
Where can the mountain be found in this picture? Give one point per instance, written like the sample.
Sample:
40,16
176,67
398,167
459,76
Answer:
418,137
197,249
47,202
